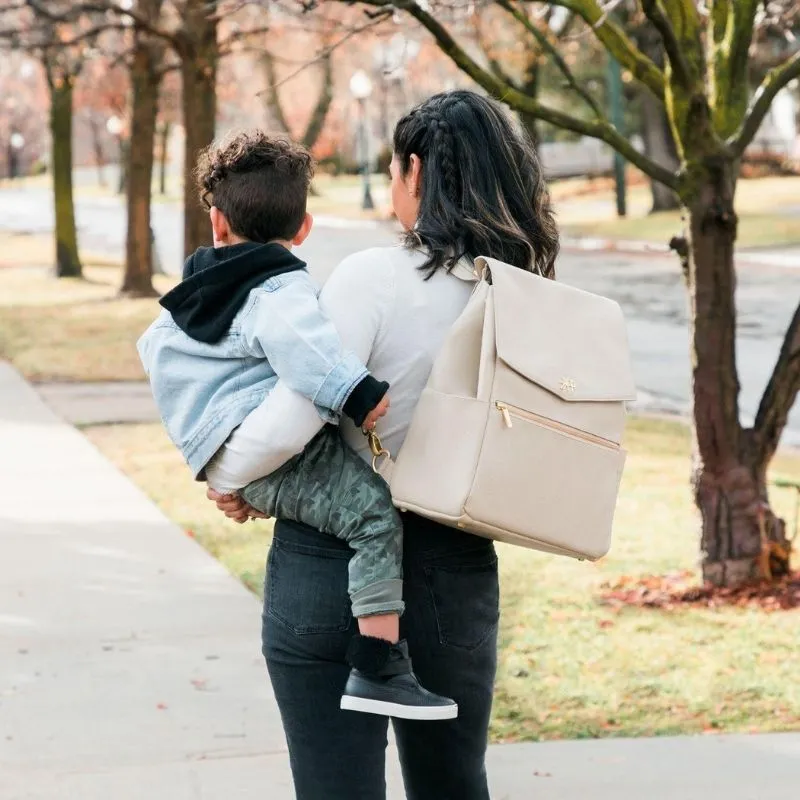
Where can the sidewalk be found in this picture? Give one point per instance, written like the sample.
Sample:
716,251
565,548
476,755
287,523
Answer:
130,665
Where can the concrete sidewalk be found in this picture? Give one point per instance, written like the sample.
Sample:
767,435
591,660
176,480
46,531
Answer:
130,665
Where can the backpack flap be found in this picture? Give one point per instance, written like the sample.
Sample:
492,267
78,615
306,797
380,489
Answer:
570,342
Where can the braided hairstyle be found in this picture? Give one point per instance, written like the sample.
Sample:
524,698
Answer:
483,191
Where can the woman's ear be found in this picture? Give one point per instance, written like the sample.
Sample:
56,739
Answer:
414,176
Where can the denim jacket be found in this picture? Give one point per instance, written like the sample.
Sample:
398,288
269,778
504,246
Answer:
204,391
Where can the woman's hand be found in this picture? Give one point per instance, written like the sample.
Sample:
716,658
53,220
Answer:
234,507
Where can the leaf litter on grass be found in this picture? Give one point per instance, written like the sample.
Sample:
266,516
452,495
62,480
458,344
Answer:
667,592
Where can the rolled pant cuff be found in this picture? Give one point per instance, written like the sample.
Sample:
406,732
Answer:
382,597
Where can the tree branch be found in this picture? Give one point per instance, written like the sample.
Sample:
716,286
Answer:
776,79
720,11
386,12
672,46
226,45
496,67
617,42
97,6
597,129
743,16
780,394
546,45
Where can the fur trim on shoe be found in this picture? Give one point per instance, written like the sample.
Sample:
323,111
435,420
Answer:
368,654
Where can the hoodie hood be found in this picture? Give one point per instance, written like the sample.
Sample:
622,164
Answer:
216,283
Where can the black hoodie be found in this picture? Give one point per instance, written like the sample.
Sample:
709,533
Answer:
216,283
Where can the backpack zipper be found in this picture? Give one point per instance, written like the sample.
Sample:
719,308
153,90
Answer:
508,411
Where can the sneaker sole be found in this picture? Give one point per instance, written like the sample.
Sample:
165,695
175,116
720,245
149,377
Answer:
384,709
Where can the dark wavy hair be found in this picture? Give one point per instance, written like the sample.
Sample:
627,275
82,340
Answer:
259,182
483,192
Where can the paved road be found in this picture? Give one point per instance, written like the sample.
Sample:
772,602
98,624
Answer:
649,287
130,665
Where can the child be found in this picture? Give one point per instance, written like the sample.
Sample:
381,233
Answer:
245,314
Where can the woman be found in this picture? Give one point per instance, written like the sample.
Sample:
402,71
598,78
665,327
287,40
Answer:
465,183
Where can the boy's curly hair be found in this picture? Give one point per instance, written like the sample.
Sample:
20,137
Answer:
259,182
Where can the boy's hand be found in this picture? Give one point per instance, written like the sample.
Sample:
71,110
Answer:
234,507
376,413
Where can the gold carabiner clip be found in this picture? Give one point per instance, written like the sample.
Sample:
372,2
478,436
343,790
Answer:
376,448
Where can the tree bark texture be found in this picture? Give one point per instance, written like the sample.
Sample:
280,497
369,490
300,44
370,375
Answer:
145,78
742,540
199,58
68,263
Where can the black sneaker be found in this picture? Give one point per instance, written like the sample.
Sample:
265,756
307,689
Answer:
383,682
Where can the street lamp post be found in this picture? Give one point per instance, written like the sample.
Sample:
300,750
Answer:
15,145
618,119
361,89
115,127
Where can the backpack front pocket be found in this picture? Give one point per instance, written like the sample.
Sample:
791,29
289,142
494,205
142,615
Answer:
546,481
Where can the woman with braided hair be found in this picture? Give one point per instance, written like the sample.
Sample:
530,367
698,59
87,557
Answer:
465,182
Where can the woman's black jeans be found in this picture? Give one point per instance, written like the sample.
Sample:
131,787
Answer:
452,610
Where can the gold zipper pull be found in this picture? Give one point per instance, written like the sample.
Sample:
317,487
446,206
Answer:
503,409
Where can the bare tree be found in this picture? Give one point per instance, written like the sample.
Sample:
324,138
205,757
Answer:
316,122
62,39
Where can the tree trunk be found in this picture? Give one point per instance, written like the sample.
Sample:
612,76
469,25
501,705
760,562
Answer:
162,176
68,264
659,145
138,278
199,74
316,123
97,145
742,540
274,108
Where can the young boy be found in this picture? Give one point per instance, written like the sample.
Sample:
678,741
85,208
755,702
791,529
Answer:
246,314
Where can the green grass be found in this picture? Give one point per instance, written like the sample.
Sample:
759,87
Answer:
571,667
755,230
761,205
70,329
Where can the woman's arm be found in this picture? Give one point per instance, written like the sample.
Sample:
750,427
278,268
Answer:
358,298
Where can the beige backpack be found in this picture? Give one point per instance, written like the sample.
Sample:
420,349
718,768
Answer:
517,434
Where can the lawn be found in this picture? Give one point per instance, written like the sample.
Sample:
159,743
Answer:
70,329
763,206
570,666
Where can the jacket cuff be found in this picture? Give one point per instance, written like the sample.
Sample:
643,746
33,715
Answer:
366,395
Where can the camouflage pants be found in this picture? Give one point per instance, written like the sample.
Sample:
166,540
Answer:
330,488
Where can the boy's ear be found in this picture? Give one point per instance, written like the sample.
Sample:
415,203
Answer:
305,229
220,227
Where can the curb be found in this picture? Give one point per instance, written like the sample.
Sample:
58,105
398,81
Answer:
750,258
